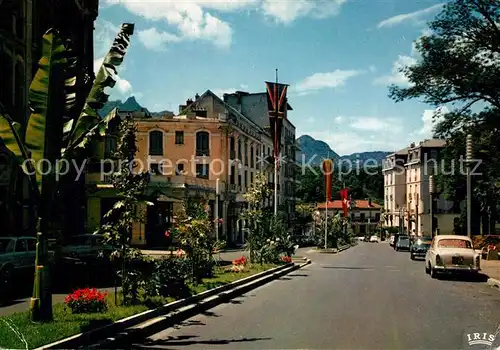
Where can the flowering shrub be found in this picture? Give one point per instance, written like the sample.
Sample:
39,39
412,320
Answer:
86,301
286,259
239,264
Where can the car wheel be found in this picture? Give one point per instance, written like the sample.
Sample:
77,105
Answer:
427,268
5,283
412,257
433,273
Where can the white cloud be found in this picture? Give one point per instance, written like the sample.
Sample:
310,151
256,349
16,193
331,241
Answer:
122,88
192,20
104,34
155,40
430,118
319,81
221,91
376,124
288,11
372,68
396,76
339,119
406,17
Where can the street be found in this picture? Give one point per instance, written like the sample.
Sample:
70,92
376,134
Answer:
367,297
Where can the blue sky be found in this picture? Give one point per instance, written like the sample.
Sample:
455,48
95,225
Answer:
338,57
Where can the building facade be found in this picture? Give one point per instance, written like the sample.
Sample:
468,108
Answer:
22,25
406,188
364,214
254,107
209,142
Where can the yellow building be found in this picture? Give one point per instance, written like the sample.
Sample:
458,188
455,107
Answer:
209,142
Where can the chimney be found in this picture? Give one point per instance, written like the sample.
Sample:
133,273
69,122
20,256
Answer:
196,96
188,102
370,202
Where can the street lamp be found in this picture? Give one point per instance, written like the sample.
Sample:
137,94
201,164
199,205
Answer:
468,159
431,200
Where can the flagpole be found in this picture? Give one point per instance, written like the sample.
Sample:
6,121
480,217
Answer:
326,211
276,155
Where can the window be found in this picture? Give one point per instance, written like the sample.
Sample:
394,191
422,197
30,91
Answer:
246,154
21,246
155,169
239,179
239,149
202,143
231,148
233,171
251,178
257,165
202,171
180,169
31,245
156,143
251,157
110,145
179,137
454,243
246,178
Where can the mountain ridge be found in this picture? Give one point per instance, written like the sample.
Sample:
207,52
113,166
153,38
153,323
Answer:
313,151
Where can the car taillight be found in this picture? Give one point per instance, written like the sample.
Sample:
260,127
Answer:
438,260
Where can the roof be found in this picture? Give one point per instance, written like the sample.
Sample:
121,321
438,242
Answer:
254,106
358,204
226,105
430,143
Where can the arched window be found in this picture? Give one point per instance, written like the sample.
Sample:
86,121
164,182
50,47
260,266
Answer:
202,143
156,143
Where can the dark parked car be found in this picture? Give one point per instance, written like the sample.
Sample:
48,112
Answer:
403,243
419,247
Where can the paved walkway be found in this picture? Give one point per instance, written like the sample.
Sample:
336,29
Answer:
491,268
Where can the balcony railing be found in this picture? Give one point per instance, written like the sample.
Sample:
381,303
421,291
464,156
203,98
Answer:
202,152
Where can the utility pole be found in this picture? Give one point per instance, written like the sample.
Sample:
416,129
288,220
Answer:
216,211
431,204
276,144
468,159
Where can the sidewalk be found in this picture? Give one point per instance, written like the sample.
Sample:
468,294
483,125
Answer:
492,269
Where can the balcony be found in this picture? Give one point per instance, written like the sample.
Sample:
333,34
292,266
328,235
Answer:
177,181
201,152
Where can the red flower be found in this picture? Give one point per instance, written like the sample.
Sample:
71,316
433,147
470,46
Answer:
167,233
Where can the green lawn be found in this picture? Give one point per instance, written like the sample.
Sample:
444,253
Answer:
65,324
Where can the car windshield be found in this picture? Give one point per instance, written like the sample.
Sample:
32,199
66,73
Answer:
454,243
6,245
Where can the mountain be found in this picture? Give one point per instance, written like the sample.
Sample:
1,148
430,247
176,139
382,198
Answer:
130,105
317,149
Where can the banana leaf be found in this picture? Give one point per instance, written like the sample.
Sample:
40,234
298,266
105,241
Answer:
70,91
97,97
10,138
99,129
44,105
9,135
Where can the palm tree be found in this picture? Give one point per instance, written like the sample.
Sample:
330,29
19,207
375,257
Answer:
50,136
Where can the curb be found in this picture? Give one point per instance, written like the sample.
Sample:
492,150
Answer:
494,282
146,329
176,307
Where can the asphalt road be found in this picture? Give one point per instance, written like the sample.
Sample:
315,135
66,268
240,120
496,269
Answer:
367,297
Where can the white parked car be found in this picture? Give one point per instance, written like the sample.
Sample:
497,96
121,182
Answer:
374,239
451,253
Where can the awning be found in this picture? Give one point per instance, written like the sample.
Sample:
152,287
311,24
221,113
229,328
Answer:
163,198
